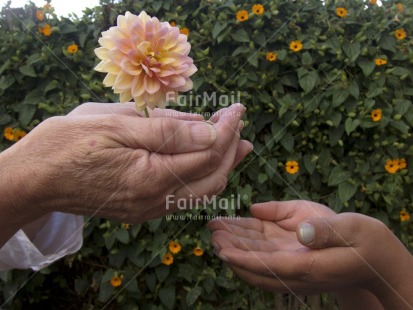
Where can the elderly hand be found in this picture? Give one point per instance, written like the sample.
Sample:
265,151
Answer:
106,160
304,247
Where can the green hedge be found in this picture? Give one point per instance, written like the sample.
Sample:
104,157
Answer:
309,104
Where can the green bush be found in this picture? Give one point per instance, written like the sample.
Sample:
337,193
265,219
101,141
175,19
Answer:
311,104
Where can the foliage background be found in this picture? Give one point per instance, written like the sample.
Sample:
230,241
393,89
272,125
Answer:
312,106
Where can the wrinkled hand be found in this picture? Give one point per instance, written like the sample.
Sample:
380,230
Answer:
108,161
304,247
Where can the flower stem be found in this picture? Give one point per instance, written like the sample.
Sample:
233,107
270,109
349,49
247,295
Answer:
146,112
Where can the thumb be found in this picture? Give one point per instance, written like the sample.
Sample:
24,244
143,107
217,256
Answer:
170,136
336,231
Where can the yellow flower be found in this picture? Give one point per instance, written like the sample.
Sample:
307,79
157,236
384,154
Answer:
39,15
292,167
392,166
72,49
172,23
402,163
198,251
376,115
242,16
168,259
404,216
373,1
8,133
400,7
400,34
184,31
258,9
380,61
296,46
341,12
270,56
146,60
174,247
116,281
126,226
46,30
18,134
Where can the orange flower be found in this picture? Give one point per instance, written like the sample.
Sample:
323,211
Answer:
392,166
402,163
168,259
376,115
296,46
404,216
242,16
198,251
8,133
292,167
172,23
380,62
126,226
258,9
72,49
373,2
184,31
47,6
18,134
400,34
116,281
46,30
174,247
39,15
400,7
270,56
341,12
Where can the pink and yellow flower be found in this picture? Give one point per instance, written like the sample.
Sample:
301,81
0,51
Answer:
146,60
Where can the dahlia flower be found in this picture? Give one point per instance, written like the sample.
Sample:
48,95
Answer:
146,60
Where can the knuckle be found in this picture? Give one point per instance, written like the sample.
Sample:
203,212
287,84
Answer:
167,129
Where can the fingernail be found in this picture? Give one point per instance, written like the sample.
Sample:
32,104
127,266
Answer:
216,247
203,133
240,125
250,145
239,105
306,232
223,258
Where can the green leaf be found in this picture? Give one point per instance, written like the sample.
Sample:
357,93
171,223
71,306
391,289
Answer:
218,27
240,50
26,113
354,89
193,295
241,36
66,28
253,59
186,271
309,164
122,235
402,106
400,126
339,97
154,224
157,5
288,142
346,190
338,176
308,81
306,59
388,43
167,297
351,125
367,67
352,50
28,71
399,71
262,178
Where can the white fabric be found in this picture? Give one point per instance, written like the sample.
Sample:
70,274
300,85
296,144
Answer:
60,236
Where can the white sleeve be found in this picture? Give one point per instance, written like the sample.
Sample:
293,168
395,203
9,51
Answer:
60,236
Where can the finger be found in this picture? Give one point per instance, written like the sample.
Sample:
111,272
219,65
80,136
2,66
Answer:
340,230
285,264
239,226
163,134
175,114
268,283
223,239
242,227
289,211
244,148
